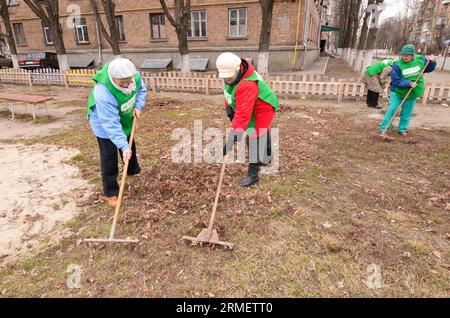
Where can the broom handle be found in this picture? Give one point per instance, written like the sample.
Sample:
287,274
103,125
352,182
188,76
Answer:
122,184
404,99
216,200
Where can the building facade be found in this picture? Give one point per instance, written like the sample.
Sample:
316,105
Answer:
145,33
433,25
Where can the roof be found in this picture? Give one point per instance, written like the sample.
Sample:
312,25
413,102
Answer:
197,64
156,63
81,63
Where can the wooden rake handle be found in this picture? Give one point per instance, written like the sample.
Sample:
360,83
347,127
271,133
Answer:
122,183
404,99
219,188
216,200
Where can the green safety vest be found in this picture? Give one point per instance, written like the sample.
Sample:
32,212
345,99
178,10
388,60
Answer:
377,68
411,71
125,102
265,93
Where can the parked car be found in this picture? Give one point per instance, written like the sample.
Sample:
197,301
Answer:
5,61
39,60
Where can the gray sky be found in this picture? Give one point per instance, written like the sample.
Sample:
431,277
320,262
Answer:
393,7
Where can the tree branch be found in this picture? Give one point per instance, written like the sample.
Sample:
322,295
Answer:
100,22
172,21
37,9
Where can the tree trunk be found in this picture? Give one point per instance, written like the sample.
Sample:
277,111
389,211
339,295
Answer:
371,38
180,23
185,63
50,16
9,33
370,45
263,62
60,48
348,30
366,61
264,39
113,36
15,60
362,40
109,7
355,13
63,62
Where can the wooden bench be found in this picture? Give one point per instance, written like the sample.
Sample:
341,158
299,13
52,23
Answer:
32,100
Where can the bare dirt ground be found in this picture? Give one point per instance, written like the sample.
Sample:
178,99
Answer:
65,111
346,215
38,191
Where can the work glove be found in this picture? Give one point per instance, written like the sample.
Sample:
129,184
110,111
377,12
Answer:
230,112
233,137
431,58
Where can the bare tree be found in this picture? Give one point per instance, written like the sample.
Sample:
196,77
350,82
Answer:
180,22
372,36
113,36
48,12
357,17
350,20
8,34
347,34
442,33
264,38
363,36
395,33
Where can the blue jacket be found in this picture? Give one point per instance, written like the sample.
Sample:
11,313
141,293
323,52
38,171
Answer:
105,118
396,76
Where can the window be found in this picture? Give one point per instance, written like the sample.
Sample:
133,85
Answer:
81,31
237,22
47,34
441,22
197,24
13,2
120,27
157,21
19,34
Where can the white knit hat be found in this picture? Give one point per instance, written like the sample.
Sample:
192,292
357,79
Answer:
121,68
228,64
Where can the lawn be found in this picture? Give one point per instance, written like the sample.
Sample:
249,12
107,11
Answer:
346,215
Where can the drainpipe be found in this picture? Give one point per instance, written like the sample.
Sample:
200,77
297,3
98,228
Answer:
294,57
99,42
305,33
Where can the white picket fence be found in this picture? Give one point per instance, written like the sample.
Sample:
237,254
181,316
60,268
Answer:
289,85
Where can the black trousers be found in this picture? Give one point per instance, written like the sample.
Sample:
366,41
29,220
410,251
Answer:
109,165
260,149
372,98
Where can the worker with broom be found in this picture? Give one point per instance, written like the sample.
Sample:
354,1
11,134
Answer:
118,95
375,78
250,105
406,74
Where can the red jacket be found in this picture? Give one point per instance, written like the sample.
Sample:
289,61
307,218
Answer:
247,101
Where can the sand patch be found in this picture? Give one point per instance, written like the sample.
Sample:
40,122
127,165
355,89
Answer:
38,193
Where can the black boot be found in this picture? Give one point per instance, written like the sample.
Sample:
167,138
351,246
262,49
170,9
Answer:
252,175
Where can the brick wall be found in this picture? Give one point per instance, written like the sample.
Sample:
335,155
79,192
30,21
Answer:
138,33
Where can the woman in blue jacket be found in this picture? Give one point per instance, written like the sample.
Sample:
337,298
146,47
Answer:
405,72
118,95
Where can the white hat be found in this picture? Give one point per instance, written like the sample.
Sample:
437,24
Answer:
121,68
228,64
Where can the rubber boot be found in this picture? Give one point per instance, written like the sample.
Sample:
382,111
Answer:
252,175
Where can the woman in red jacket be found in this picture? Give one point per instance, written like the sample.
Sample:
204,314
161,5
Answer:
251,105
